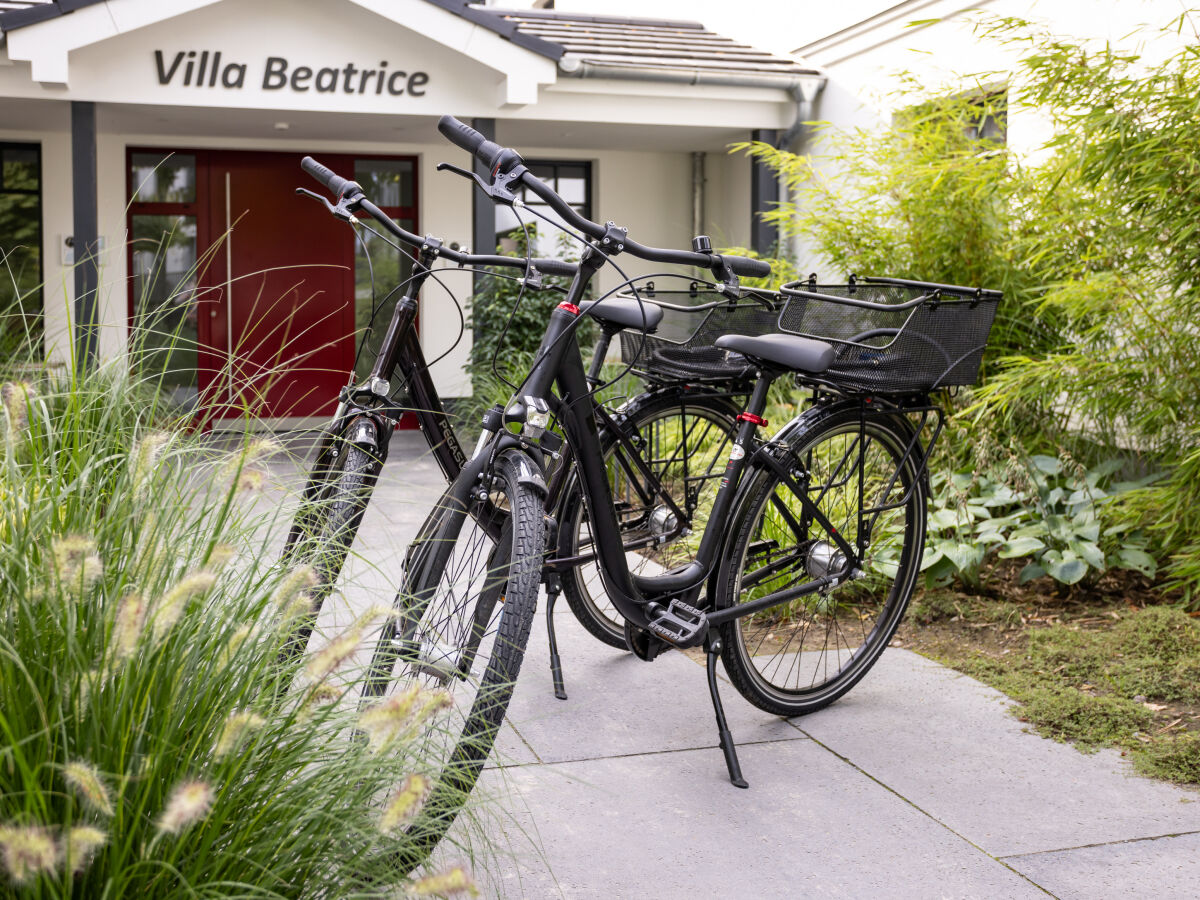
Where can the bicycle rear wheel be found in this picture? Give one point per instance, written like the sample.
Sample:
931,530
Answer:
801,656
463,620
685,440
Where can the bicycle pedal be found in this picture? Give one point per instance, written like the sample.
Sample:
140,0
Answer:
680,624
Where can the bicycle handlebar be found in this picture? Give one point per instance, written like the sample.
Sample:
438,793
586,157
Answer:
337,185
501,160
345,189
463,135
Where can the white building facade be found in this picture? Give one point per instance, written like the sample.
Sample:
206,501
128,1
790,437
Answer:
166,136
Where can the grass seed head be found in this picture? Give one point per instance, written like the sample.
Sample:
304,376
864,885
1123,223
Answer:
86,782
316,696
251,480
325,661
452,882
88,682
81,843
432,702
300,606
403,805
15,397
76,562
235,642
144,460
168,610
220,557
236,729
131,622
383,722
28,851
188,804
380,612
293,584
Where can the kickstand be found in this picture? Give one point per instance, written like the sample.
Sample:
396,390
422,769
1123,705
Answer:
713,648
553,589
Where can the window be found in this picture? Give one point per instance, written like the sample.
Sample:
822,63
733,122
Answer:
573,182
164,329
981,116
392,185
991,117
20,248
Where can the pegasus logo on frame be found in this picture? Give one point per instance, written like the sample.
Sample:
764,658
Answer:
206,70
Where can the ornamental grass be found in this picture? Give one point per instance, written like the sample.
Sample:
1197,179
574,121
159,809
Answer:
152,743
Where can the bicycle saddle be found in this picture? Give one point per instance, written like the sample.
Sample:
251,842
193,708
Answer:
628,313
788,350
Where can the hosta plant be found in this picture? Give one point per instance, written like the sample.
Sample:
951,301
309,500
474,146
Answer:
1043,510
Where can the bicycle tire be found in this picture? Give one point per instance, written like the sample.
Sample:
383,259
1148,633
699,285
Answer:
774,545
438,628
326,524
697,418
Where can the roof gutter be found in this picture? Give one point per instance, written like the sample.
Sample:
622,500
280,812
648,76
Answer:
805,87
574,67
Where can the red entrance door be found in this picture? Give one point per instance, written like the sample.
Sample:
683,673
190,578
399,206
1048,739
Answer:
281,327
252,286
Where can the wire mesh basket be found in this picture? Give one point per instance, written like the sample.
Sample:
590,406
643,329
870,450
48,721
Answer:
682,348
892,335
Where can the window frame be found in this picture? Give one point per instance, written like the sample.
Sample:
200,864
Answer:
40,238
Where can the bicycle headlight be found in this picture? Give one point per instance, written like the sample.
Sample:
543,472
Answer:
537,417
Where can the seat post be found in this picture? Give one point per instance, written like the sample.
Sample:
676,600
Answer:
601,351
763,379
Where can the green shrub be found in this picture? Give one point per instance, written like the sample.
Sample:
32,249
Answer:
505,329
1093,348
1042,509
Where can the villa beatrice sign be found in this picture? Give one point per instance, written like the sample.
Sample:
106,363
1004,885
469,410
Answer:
206,69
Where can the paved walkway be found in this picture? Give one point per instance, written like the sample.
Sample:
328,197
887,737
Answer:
916,784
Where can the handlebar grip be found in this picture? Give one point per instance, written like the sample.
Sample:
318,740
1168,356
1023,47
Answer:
555,267
751,268
463,135
336,183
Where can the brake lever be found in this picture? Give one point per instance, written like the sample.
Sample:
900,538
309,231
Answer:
731,285
492,189
344,209
313,195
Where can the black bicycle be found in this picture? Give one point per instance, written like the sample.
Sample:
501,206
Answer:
811,541
653,441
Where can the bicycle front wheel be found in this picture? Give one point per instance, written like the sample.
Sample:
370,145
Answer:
328,519
864,478
462,623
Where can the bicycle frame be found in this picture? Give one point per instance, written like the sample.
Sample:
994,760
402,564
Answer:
640,599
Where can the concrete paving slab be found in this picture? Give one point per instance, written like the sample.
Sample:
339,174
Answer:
946,742
1165,868
656,827
617,704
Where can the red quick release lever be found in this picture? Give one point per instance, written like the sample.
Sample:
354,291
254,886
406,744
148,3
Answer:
569,307
753,419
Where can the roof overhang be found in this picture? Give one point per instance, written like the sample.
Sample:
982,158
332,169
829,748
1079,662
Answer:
47,42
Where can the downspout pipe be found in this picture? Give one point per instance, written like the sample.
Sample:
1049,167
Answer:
805,94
